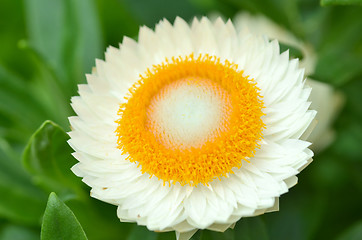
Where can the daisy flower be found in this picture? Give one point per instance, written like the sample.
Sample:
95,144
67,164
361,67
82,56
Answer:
192,127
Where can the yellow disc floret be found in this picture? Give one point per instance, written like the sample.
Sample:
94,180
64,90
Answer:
191,155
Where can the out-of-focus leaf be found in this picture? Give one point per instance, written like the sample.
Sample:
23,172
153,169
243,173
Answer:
12,28
20,111
45,22
67,35
300,213
59,222
64,40
17,232
340,2
143,233
88,45
352,233
348,142
47,87
48,157
94,215
20,201
349,139
327,193
340,45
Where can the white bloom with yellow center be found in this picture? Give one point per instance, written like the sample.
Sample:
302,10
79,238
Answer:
193,127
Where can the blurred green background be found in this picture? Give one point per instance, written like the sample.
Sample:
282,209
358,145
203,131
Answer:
46,47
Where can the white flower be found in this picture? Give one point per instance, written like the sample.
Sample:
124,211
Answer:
325,100
192,127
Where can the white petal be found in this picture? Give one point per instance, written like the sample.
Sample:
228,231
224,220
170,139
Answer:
250,190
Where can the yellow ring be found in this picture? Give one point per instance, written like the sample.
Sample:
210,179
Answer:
237,141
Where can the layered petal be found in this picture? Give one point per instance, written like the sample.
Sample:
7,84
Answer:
251,188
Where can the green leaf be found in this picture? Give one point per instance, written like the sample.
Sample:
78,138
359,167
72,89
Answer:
45,25
352,233
64,40
20,201
10,32
340,2
94,215
48,88
48,157
340,45
20,111
59,222
82,20
66,33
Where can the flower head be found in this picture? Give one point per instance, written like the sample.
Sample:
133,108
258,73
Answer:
192,127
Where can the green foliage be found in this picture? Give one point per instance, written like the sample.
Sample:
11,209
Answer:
250,229
48,158
353,233
13,110
64,39
340,2
16,190
48,46
66,34
18,232
141,233
340,38
59,222
168,9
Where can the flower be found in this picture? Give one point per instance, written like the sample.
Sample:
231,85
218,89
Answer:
324,98
192,127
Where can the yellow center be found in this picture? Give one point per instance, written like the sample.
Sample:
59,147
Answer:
190,120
